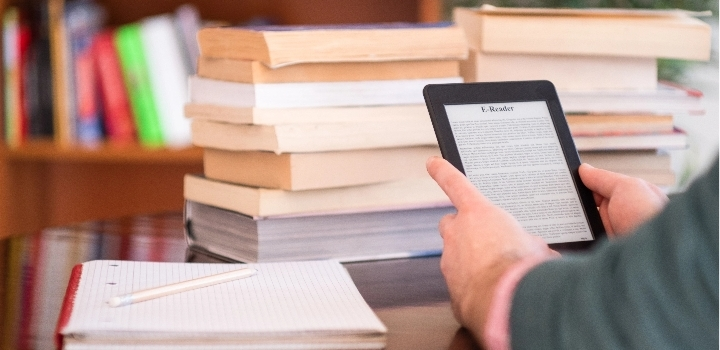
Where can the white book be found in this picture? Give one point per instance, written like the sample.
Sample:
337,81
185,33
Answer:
312,94
298,305
168,77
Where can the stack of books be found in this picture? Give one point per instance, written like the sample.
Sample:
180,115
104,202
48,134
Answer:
315,140
603,62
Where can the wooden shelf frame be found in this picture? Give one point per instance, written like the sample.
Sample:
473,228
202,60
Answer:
44,185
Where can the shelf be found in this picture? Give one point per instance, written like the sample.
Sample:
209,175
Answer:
46,150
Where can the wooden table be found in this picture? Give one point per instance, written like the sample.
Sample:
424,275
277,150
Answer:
409,295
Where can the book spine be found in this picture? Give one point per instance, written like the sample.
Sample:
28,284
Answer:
83,20
68,304
128,41
168,77
119,125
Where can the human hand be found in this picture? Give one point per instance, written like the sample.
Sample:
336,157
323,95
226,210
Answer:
480,243
625,202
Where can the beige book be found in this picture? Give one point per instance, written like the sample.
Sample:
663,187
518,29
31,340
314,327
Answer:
304,171
628,161
628,33
321,137
566,72
285,45
674,140
242,71
274,116
618,124
261,202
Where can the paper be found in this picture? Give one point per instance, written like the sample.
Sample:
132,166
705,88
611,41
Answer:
282,298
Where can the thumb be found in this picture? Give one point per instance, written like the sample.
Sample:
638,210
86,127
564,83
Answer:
600,181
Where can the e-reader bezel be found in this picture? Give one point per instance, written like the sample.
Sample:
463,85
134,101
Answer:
439,95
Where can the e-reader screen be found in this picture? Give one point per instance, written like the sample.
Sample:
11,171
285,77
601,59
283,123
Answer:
511,150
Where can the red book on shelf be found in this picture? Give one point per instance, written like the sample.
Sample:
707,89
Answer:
119,124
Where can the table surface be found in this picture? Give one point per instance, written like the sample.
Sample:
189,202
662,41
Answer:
408,295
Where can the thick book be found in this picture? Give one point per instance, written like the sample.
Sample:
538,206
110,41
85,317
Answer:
677,139
667,98
16,44
350,236
600,32
256,72
118,118
304,171
567,72
301,305
128,41
274,116
168,77
618,124
311,94
262,202
319,137
277,46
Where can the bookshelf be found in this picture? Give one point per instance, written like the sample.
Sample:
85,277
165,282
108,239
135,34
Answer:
42,184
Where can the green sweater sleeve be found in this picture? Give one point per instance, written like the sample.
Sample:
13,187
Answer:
655,289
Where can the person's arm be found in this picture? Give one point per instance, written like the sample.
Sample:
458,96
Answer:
655,289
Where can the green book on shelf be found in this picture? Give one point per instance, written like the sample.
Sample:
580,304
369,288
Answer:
128,42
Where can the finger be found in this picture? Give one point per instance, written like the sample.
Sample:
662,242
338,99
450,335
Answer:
444,224
601,181
598,199
457,187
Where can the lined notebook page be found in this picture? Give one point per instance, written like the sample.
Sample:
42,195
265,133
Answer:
285,297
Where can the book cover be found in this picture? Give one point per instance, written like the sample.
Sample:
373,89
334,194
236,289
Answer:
305,171
278,46
320,137
118,118
128,41
256,72
311,94
83,20
261,202
627,33
168,77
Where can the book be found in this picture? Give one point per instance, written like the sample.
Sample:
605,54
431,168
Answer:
83,20
188,23
618,124
317,307
64,130
343,236
305,171
256,72
650,165
601,32
16,42
274,116
320,137
118,118
168,77
677,139
311,94
640,160
566,72
38,78
128,41
262,202
667,98
277,46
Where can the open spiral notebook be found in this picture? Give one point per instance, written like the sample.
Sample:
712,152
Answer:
298,305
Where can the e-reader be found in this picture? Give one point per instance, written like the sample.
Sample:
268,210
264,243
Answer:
513,143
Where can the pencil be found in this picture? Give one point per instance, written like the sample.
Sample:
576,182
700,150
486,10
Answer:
152,293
